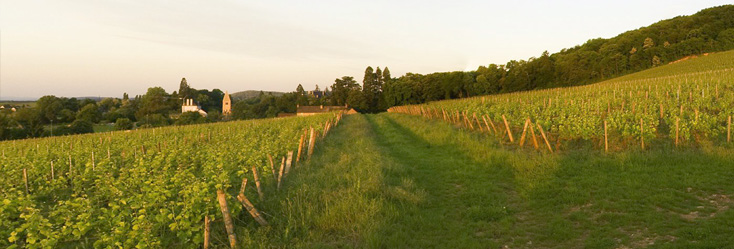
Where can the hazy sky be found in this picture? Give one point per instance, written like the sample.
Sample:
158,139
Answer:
107,47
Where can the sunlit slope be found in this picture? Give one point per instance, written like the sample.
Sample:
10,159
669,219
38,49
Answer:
688,103
691,65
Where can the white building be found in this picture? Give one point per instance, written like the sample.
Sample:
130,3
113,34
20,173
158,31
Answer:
189,106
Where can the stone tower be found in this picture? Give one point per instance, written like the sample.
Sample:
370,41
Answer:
226,105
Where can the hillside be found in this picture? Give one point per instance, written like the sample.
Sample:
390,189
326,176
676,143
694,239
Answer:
252,94
709,30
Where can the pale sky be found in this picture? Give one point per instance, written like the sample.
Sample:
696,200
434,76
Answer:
107,47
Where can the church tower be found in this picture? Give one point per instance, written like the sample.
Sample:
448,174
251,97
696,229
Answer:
226,105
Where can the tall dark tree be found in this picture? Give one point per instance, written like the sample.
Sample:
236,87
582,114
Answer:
341,89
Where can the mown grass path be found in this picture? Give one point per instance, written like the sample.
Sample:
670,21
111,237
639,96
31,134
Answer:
452,200
398,181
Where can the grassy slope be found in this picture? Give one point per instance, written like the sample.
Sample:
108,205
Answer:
711,62
396,181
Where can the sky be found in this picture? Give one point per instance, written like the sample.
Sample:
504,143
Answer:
76,48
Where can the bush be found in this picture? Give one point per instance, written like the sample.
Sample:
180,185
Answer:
81,126
123,124
190,118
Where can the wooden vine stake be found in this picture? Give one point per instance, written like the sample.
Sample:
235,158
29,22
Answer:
272,167
606,140
207,232
288,163
311,142
53,177
251,209
540,128
257,182
535,139
507,126
280,174
243,186
300,149
25,180
524,130
642,135
677,128
222,198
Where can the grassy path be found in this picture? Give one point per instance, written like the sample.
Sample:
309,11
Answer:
455,199
396,181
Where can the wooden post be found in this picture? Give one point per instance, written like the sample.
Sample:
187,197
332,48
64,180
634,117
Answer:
494,129
272,167
311,142
280,174
479,124
677,128
606,140
535,140
300,149
251,209
486,124
25,180
53,177
661,110
507,126
288,163
222,198
257,182
524,129
70,165
243,186
207,232
540,128
93,164
642,135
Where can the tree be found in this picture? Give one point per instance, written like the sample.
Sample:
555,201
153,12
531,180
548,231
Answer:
50,108
341,89
185,91
386,77
155,101
81,126
31,121
190,118
89,112
6,123
123,124
648,43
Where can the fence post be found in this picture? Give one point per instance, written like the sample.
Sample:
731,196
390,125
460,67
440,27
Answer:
542,133
507,126
606,138
257,182
206,232
222,198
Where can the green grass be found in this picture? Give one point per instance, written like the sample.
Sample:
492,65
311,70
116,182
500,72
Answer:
103,128
397,181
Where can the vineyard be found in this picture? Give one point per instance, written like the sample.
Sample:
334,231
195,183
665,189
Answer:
165,187
689,103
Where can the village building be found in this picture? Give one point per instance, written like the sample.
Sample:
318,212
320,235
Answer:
190,106
226,105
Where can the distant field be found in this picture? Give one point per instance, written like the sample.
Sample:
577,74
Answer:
19,103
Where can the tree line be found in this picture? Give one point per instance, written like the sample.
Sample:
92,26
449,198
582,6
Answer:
709,30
